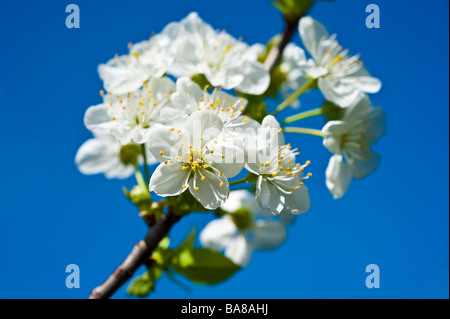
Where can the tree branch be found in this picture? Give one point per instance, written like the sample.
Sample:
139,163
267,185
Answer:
276,52
138,256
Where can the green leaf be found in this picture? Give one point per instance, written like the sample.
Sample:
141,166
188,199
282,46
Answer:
144,284
188,243
204,266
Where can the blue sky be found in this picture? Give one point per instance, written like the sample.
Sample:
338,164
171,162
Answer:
51,215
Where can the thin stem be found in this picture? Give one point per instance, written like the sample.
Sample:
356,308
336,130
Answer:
146,174
140,179
303,115
138,256
242,180
302,130
291,99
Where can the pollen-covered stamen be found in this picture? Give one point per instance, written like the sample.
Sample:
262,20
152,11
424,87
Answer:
137,108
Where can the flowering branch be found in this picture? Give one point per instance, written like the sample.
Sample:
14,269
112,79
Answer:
138,256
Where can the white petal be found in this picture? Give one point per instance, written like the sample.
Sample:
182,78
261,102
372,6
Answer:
239,250
361,169
217,234
211,192
168,180
101,155
97,119
121,78
256,78
341,93
227,158
163,139
338,176
240,199
268,235
298,202
311,33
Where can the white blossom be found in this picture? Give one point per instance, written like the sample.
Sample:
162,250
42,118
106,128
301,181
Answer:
340,78
350,140
280,185
102,155
225,61
127,73
195,157
129,117
243,229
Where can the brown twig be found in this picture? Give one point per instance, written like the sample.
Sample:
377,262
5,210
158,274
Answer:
138,256
276,52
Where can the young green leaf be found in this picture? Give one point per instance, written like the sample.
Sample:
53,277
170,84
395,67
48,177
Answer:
204,266
145,283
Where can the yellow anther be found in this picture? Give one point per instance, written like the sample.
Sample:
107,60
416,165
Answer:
274,174
308,162
297,165
288,173
309,174
141,103
231,115
205,166
114,118
184,186
220,173
301,184
292,189
203,178
102,92
166,161
172,129
155,104
161,153
196,188
245,120
221,184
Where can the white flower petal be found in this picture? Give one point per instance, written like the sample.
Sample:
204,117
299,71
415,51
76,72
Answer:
268,234
97,119
101,155
121,77
163,139
239,250
240,199
211,192
311,33
168,180
338,176
256,79
218,233
298,202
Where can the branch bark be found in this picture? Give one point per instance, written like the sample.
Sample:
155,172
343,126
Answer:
276,52
138,256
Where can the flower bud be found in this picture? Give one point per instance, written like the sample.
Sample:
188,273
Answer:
129,154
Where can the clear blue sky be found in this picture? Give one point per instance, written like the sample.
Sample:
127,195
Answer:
52,216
